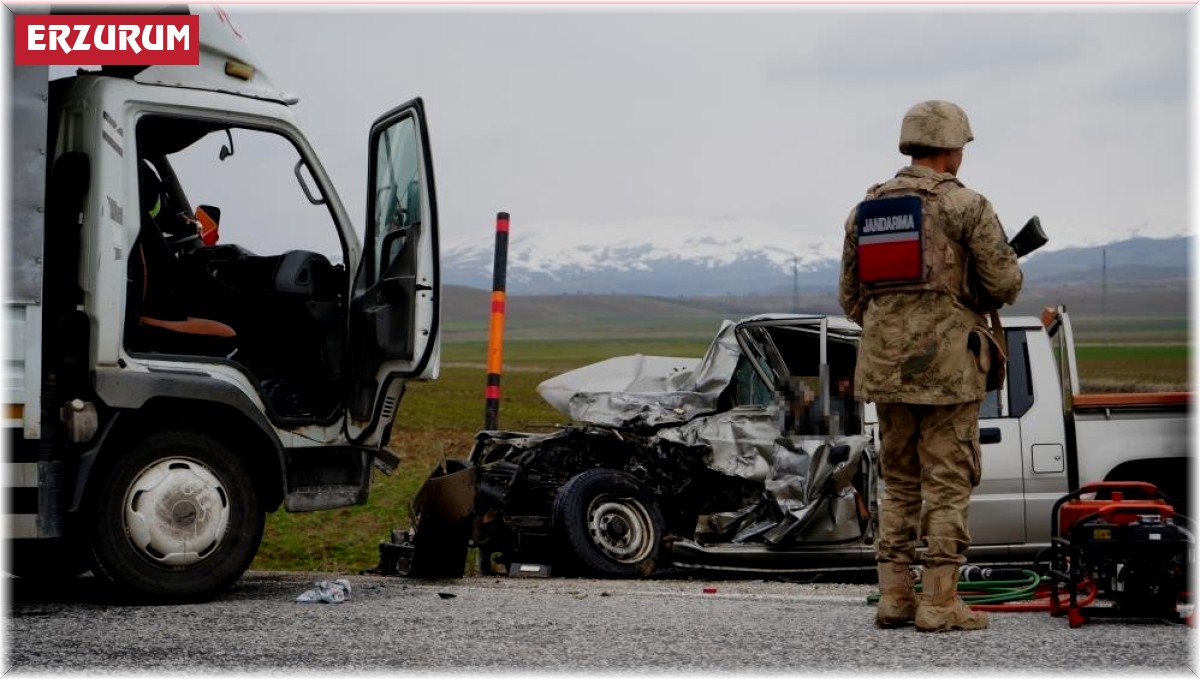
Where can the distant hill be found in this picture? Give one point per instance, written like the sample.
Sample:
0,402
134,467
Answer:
739,257
466,311
1136,259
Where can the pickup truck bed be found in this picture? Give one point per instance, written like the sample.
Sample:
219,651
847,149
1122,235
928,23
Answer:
1133,437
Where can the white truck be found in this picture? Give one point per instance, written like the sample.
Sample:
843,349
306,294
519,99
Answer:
721,463
172,376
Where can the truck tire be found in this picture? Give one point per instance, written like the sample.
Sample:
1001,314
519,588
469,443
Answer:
174,518
608,524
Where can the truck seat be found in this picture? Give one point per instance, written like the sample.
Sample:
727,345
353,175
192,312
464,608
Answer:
160,322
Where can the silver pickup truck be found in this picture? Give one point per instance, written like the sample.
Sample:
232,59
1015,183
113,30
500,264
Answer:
754,458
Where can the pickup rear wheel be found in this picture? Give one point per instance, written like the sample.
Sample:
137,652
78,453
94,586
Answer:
609,524
174,518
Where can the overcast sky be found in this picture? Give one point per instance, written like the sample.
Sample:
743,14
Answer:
781,114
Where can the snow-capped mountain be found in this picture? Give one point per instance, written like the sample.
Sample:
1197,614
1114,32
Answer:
665,257
735,256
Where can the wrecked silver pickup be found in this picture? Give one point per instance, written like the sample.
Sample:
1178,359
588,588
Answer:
754,454
753,458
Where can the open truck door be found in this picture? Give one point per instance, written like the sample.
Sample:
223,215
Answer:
394,312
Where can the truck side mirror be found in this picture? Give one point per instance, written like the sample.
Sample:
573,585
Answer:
210,219
227,151
1051,320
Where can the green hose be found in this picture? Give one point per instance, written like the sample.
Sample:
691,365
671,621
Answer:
990,591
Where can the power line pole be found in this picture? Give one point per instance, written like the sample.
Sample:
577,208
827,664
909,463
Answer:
795,287
1104,292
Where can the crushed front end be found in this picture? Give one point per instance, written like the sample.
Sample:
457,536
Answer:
681,462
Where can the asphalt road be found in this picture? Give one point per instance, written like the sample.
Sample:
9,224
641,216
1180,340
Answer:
566,626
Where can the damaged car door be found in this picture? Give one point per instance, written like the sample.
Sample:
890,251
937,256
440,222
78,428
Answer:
807,451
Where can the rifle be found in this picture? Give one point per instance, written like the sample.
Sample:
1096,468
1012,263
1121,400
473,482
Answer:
1029,238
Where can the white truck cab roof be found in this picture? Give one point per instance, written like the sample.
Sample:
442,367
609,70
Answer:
226,63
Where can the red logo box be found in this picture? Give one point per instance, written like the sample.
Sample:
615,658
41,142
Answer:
108,39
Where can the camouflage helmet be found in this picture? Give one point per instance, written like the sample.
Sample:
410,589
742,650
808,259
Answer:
936,124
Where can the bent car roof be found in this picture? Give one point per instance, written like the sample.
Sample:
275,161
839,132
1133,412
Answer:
648,391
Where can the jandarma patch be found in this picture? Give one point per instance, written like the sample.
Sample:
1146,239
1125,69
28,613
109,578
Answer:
890,240
108,39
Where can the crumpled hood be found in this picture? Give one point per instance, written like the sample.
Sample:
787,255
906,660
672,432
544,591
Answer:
646,391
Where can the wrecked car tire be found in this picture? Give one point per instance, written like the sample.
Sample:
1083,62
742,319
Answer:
609,524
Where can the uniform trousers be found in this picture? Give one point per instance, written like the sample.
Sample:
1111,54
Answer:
930,460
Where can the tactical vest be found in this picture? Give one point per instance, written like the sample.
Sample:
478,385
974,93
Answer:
907,248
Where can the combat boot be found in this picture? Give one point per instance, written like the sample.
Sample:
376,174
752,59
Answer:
939,608
897,600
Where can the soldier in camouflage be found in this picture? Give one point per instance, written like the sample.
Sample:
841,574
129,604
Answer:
924,356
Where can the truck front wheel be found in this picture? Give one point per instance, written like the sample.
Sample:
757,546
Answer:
175,518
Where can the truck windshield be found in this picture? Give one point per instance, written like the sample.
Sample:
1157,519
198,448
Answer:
261,165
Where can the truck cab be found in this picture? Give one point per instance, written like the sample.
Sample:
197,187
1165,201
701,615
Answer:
197,336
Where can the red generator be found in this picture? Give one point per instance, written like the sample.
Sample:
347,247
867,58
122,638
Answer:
1126,540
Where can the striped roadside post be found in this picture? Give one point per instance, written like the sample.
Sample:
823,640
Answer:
496,328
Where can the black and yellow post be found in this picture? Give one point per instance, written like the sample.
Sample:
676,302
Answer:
496,329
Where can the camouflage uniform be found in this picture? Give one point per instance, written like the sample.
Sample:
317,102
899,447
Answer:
916,362
924,356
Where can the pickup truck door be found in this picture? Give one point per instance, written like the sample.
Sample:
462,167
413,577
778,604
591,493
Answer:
998,503
394,309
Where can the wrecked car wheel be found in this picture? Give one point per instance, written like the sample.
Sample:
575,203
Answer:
609,524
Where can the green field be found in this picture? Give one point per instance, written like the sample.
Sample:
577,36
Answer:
1133,367
439,420
1118,331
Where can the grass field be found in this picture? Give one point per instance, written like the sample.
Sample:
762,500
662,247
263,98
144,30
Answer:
1144,367
439,420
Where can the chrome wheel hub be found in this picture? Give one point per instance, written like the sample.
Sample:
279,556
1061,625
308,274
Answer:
620,528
